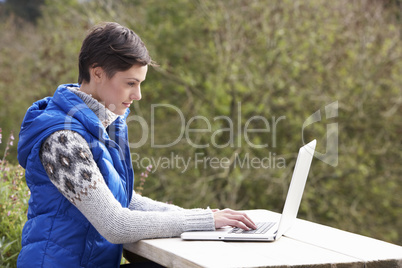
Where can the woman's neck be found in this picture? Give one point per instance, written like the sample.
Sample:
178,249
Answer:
105,115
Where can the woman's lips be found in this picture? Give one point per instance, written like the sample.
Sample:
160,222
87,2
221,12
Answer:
127,104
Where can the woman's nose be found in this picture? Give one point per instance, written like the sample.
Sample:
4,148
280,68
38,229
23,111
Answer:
136,95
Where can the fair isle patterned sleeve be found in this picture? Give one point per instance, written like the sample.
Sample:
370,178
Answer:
69,163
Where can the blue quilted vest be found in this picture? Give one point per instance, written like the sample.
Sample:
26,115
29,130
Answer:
56,233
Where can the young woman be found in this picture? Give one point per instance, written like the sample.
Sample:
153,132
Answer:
74,147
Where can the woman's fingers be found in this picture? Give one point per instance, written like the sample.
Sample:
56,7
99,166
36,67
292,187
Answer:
233,218
245,220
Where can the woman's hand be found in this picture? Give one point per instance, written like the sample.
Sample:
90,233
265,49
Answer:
228,217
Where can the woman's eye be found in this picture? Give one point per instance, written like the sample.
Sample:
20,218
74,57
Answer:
131,84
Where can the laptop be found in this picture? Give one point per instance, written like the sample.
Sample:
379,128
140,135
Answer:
269,231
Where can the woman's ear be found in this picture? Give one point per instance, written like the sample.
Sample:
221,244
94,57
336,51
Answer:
96,73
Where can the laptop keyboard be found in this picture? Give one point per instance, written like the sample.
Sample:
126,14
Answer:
262,228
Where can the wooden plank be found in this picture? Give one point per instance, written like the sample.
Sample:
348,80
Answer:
175,252
357,246
294,253
367,249
283,253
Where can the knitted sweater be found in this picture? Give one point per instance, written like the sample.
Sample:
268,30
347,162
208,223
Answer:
85,188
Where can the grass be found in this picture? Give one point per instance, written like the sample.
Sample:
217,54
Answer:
14,196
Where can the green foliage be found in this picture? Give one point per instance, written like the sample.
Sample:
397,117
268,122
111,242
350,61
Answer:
5,252
14,196
238,59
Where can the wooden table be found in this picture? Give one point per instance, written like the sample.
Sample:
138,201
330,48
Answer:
307,244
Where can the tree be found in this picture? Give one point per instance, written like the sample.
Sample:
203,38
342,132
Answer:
28,10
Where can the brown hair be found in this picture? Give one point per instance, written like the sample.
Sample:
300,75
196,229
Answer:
114,48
